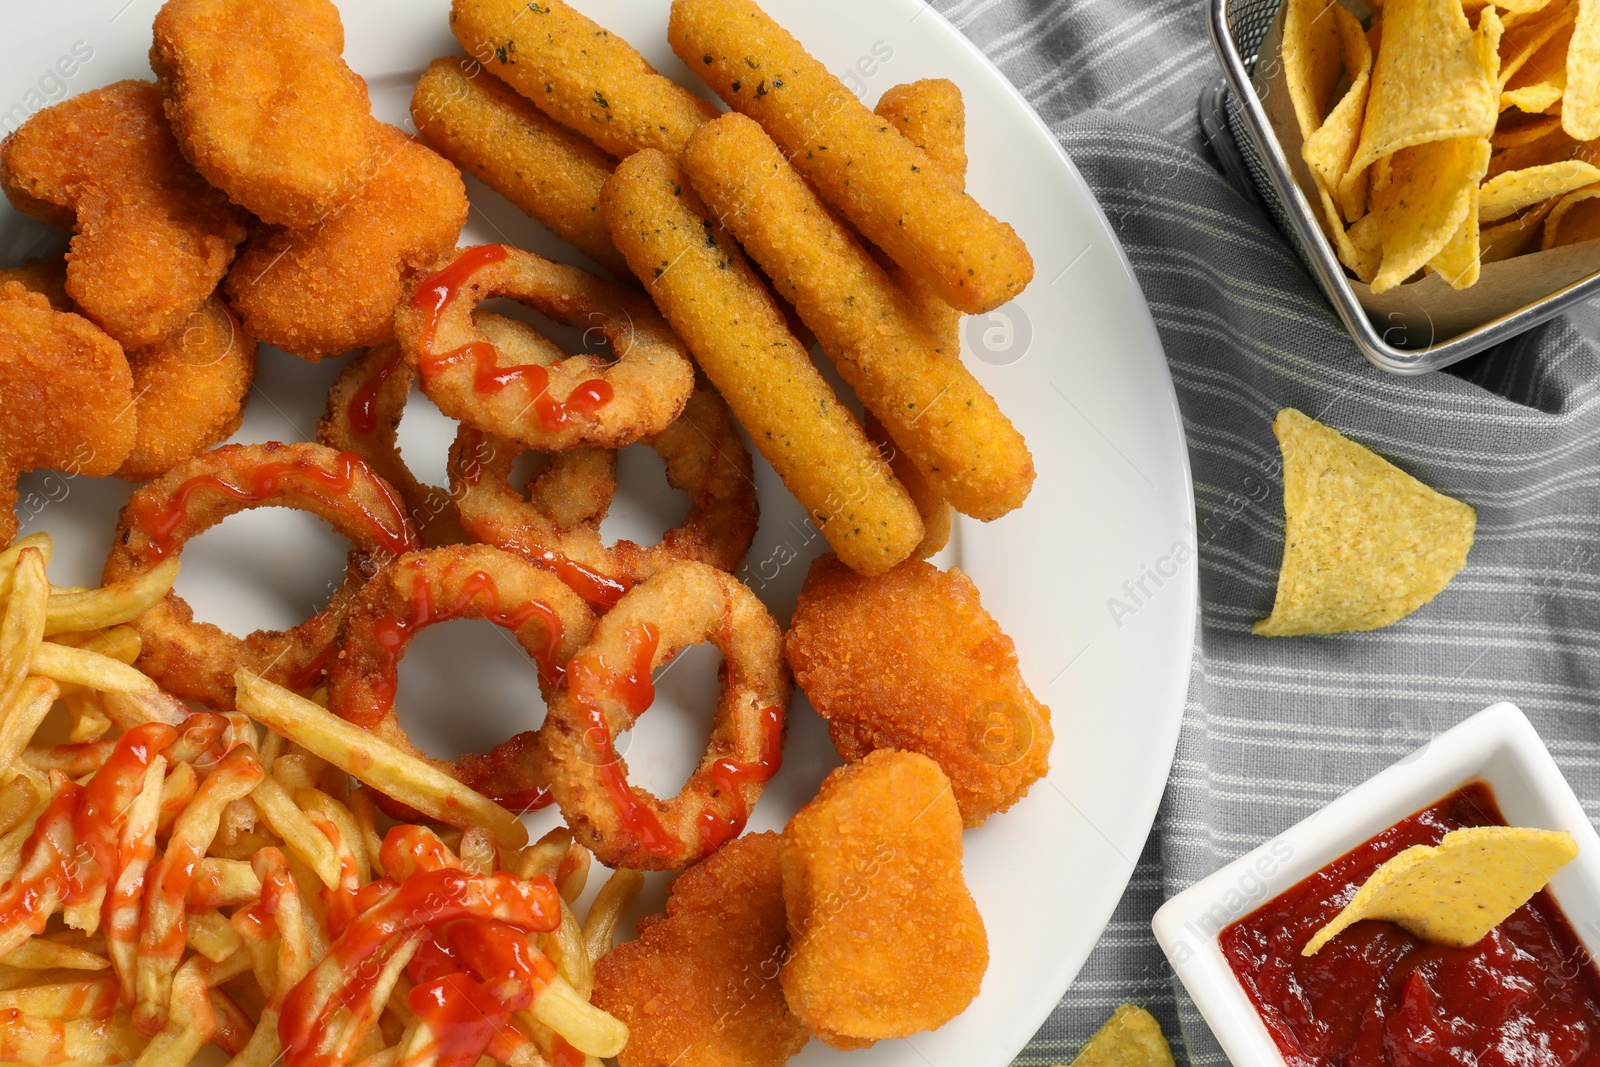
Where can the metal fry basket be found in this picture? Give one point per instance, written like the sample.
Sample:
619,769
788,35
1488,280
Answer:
1235,121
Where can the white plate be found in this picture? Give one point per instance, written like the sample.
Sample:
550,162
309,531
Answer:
1094,577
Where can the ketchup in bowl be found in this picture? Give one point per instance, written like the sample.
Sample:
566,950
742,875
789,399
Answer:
1527,995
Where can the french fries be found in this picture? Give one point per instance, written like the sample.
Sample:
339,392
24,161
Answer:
862,166
732,325
178,945
932,406
373,761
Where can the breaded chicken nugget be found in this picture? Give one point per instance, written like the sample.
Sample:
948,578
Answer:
885,939
264,105
699,987
910,660
66,397
335,287
189,391
860,164
579,73
480,124
47,277
153,239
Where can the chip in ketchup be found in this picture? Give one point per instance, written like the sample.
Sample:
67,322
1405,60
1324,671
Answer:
1527,995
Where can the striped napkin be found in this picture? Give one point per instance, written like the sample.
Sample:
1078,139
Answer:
1275,728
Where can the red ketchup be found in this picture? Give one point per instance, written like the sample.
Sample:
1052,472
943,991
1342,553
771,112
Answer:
1527,995
729,775
332,487
591,680
437,293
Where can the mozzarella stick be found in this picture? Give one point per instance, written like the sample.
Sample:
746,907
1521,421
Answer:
885,185
931,115
723,311
932,406
480,124
579,73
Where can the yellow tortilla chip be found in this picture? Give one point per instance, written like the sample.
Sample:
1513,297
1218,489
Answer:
1455,893
1521,130
1329,148
1539,85
1581,114
1551,148
1514,237
1365,543
1311,59
1421,206
1358,245
1509,193
1428,84
1491,31
1457,262
1522,41
1575,219
1130,1038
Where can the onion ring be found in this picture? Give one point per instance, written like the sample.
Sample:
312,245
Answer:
197,660
420,589
608,686
705,458
583,399
364,410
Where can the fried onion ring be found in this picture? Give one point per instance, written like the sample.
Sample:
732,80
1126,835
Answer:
197,660
705,458
420,589
607,687
583,399
364,410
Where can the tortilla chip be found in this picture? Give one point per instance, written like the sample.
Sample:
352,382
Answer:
1522,41
1491,31
1539,85
1311,59
1428,84
1514,237
1455,893
1575,219
1581,114
1508,193
1517,130
1367,247
1330,147
1130,1038
1365,544
1421,207
1457,263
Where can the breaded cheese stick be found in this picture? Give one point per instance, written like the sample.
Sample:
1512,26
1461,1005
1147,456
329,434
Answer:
861,164
931,115
480,124
723,311
930,404
579,73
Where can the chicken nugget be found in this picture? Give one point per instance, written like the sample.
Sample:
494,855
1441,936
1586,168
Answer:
728,318
579,73
860,163
152,238
189,391
910,660
480,124
335,287
885,939
47,277
66,396
264,105
699,987
932,406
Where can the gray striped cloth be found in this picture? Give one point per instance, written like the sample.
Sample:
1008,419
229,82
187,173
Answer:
1275,728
